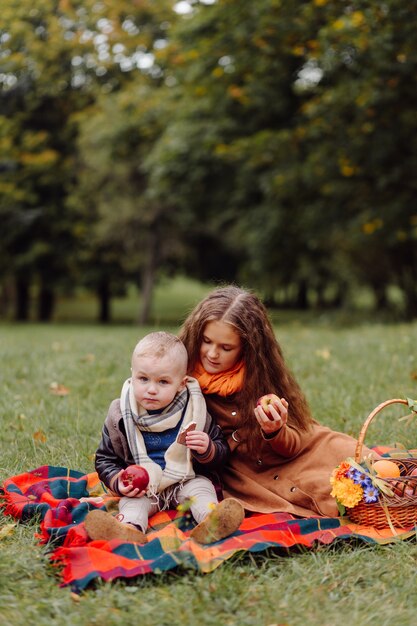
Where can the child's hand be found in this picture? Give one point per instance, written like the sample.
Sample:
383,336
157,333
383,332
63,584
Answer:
198,441
128,491
278,411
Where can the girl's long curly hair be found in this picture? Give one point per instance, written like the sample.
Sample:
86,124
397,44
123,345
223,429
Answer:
265,368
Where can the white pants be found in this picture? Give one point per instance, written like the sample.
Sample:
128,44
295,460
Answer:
138,510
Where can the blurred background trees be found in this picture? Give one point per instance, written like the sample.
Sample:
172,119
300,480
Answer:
269,143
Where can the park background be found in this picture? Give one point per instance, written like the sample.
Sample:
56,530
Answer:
272,144
150,151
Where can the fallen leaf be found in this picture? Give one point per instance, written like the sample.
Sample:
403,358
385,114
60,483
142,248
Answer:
88,358
58,390
7,530
324,354
39,436
75,597
413,375
20,422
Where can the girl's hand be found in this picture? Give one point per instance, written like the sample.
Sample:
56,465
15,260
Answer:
198,441
278,416
129,491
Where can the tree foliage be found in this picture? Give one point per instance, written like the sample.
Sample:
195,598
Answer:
59,60
271,143
304,116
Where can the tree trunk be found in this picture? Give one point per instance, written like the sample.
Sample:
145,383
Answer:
6,297
301,301
411,303
408,284
381,301
148,277
104,296
46,303
411,311
22,299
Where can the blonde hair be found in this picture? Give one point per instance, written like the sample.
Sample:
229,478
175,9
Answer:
159,344
266,370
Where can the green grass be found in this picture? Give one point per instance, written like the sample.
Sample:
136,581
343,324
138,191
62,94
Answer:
344,371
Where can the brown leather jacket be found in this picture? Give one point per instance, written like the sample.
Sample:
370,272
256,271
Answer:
289,472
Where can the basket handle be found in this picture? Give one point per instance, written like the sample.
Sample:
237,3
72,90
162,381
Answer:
358,450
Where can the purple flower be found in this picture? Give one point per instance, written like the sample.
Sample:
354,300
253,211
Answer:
366,482
370,494
360,478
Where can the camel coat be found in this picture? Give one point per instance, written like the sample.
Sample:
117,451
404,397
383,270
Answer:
290,472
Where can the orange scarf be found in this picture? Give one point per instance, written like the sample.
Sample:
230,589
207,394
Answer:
223,383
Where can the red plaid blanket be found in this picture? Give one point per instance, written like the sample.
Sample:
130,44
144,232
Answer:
62,498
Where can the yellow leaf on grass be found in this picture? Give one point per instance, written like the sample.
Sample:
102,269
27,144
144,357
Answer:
58,390
19,424
39,436
88,358
324,354
7,530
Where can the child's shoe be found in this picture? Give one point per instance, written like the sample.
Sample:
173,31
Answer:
220,523
104,526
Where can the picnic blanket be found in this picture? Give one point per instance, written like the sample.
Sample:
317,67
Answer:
61,497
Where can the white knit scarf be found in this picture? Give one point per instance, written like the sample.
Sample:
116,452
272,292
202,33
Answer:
189,403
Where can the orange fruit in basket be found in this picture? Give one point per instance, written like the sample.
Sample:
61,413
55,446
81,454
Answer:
386,469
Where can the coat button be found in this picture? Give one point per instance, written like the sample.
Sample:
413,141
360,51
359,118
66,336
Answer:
233,412
293,488
259,461
276,477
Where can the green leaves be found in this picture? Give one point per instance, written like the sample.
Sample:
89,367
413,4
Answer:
412,404
281,135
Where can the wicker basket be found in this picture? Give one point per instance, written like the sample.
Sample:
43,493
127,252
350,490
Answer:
399,510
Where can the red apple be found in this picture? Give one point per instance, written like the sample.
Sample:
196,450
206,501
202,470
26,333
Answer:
265,401
412,485
135,475
398,488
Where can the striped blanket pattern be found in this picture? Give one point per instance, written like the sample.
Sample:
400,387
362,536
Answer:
61,497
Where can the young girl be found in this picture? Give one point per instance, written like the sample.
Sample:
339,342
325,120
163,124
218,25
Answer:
280,462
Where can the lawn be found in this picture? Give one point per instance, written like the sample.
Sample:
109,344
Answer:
345,371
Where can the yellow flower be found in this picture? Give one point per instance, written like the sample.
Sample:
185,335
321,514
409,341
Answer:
347,492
